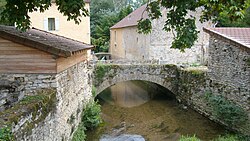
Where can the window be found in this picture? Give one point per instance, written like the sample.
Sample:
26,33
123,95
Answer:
51,24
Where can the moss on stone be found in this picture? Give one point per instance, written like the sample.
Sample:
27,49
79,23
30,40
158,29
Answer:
30,105
102,69
248,61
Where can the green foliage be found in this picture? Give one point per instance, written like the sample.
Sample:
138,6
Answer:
225,21
6,134
188,138
43,102
104,14
227,111
100,71
93,91
227,138
248,61
182,24
79,134
91,119
31,99
101,30
16,11
144,26
91,115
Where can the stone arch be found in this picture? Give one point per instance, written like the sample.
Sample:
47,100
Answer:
109,81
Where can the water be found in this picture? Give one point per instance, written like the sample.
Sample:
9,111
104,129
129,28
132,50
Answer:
136,107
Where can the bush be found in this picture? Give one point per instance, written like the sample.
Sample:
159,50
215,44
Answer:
227,138
90,119
6,134
227,111
79,134
188,138
91,115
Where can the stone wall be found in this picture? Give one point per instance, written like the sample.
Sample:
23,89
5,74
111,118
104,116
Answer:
13,87
194,87
127,43
190,85
106,75
73,91
229,64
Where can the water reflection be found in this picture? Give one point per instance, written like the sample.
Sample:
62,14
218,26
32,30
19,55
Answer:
145,109
128,94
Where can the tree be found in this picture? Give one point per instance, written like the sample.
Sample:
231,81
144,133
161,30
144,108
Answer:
104,14
2,5
178,20
16,11
225,21
101,33
182,24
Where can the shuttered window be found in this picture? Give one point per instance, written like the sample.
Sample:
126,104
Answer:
51,24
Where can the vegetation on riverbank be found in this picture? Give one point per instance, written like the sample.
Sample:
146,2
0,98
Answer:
90,119
37,106
226,111
228,137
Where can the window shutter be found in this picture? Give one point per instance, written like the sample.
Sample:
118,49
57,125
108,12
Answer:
57,24
45,24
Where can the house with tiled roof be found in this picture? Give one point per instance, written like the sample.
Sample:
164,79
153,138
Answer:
33,63
53,21
229,57
127,43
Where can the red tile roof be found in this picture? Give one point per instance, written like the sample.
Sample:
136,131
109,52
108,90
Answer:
133,18
237,35
45,41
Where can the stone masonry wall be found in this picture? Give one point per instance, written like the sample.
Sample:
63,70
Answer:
229,64
73,90
13,87
189,84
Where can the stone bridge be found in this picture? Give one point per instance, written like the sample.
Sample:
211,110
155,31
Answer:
189,84
169,76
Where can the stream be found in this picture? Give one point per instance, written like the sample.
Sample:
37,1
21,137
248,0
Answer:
150,111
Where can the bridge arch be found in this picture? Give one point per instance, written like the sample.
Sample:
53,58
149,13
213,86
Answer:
164,75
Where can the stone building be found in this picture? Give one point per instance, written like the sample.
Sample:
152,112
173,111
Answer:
229,60
53,21
127,43
37,59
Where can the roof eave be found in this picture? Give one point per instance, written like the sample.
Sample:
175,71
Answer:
123,27
212,32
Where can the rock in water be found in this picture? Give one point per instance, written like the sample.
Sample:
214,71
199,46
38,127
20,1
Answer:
123,137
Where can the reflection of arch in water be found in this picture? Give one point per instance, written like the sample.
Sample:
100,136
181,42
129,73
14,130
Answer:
132,93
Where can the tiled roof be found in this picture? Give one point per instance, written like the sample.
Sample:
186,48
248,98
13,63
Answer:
87,1
45,41
133,18
237,35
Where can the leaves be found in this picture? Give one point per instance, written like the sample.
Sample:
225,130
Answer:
182,24
16,11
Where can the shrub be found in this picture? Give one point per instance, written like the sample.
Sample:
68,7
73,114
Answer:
227,111
91,115
227,138
79,134
6,134
188,138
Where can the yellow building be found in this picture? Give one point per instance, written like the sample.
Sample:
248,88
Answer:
53,21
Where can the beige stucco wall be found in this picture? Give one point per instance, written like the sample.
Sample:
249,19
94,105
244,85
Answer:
116,42
129,44
156,45
66,28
